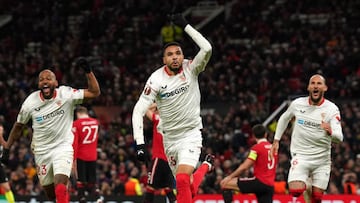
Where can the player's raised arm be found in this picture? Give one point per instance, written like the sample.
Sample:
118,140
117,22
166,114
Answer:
93,89
204,54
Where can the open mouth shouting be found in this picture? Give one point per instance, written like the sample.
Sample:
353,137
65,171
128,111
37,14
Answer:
316,93
46,91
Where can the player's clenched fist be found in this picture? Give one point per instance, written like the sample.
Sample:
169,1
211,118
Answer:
178,19
83,63
142,153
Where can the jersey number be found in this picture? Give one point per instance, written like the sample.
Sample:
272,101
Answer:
41,169
91,133
172,161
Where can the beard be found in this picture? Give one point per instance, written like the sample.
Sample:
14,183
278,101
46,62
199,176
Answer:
48,95
318,99
175,70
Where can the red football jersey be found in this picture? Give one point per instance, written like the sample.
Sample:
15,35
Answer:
86,134
264,168
157,145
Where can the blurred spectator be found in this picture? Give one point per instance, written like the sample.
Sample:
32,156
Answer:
350,185
132,185
171,32
30,170
257,61
280,185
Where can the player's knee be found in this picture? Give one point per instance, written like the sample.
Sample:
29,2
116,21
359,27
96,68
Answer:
297,192
316,197
182,180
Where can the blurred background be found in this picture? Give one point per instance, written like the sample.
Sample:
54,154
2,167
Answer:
264,52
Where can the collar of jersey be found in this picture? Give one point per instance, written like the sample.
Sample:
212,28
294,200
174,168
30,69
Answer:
262,140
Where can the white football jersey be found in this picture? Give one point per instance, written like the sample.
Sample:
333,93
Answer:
177,96
308,138
52,119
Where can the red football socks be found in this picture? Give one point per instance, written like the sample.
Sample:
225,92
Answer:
61,193
198,176
183,188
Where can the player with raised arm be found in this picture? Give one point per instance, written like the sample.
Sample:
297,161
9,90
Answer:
175,89
51,112
316,125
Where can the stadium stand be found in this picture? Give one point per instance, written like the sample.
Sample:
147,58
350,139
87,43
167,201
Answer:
264,52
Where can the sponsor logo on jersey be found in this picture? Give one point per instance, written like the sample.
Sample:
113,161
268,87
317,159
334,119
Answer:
58,112
174,92
311,124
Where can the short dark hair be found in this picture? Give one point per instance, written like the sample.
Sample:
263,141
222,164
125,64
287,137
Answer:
259,131
81,109
171,44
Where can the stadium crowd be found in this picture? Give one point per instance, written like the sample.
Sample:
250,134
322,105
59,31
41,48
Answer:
263,54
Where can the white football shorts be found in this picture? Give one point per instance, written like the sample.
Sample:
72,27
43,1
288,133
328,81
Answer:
57,161
304,167
185,150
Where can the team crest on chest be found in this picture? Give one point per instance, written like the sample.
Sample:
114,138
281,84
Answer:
323,115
